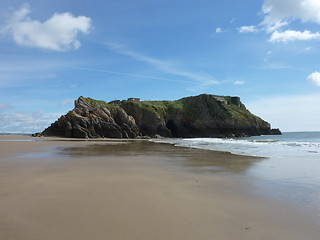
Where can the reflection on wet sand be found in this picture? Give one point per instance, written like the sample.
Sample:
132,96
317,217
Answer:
193,159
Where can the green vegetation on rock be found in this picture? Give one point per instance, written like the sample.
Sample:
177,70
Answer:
98,103
160,108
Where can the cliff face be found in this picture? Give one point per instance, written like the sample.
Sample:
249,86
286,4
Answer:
93,119
199,116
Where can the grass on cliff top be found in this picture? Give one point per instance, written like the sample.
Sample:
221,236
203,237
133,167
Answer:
242,115
99,103
190,106
159,107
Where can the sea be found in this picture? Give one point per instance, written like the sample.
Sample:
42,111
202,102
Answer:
289,167
302,144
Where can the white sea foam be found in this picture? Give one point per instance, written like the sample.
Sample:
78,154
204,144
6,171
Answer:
288,144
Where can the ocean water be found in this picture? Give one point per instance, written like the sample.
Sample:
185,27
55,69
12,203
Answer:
302,144
289,168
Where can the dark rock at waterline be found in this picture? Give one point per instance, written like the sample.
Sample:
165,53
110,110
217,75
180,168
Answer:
198,116
275,131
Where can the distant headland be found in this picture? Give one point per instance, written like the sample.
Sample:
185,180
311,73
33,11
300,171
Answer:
197,116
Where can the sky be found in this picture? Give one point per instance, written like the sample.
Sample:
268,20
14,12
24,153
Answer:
267,52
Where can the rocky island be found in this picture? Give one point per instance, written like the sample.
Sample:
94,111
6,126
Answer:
197,116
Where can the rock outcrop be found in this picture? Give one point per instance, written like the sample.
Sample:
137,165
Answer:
198,116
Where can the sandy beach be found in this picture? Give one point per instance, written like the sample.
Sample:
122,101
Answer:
53,188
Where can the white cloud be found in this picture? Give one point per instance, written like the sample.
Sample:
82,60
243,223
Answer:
47,76
66,102
247,29
279,14
127,74
289,113
268,56
233,20
26,122
165,66
288,10
308,48
239,82
271,26
273,66
218,30
315,78
291,35
58,33
269,53
3,106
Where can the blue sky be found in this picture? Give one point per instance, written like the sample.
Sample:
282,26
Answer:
267,52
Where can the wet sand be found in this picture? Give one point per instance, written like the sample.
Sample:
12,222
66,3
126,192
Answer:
61,189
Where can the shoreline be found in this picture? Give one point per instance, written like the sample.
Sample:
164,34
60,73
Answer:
60,189
28,137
